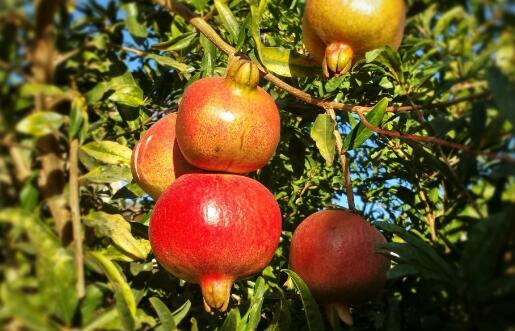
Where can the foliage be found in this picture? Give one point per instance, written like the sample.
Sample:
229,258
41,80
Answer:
102,71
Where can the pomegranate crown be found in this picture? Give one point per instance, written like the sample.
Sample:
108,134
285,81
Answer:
243,72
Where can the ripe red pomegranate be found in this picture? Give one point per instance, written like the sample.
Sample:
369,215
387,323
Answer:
336,32
157,160
228,124
334,252
213,229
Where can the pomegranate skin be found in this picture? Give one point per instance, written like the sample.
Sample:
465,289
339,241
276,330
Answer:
223,126
334,253
157,160
213,229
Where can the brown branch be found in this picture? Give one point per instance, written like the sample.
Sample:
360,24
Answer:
434,140
203,27
344,162
75,211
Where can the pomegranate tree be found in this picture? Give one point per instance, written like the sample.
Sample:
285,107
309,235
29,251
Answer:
334,252
228,124
157,160
213,229
336,32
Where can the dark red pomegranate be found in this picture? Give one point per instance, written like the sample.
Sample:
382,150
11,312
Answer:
228,124
213,229
334,252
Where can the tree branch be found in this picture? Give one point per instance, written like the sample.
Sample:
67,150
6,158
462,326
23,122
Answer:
75,211
203,27
344,162
434,140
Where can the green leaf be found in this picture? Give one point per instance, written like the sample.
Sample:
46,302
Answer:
109,152
169,62
503,92
40,123
285,62
313,316
228,20
107,174
253,315
322,133
177,43
126,91
257,9
180,313
125,302
116,228
78,117
360,133
166,321
208,64
136,28
31,89
485,246
54,264
17,304
419,253
232,321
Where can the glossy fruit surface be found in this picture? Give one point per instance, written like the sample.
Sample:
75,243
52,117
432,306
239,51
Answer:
157,160
226,126
362,25
213,229
334,252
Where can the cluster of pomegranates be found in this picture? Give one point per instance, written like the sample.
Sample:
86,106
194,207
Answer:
211,225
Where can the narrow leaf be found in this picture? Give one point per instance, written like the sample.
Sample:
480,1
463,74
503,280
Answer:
166,321
125,301
228,20
360,133
313,316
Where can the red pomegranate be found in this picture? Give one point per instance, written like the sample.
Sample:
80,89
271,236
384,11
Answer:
334,252
228,124
213,229
157,160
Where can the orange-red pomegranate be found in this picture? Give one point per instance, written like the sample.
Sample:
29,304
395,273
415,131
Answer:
213,229
157,160
228,124
336,32
334,253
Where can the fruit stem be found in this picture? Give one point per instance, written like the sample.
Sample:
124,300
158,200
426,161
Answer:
244,73
216,291
337,60
338,310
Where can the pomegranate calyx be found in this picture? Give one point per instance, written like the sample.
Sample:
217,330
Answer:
216,292
337,60
338,310
244,73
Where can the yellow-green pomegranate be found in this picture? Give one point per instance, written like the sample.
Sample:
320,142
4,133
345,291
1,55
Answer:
336,32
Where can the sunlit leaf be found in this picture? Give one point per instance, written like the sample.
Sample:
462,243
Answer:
360,133
116,228
285,62
322,133
40,123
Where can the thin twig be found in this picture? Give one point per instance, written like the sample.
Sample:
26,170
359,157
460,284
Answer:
203,27
434,140
344,162
75,214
